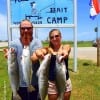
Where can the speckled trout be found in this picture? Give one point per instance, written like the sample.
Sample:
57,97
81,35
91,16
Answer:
13,73
42,74
60,77
27,67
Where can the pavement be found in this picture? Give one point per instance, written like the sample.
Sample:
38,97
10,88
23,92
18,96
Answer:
3,44
89,53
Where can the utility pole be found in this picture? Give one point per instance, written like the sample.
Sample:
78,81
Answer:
98,46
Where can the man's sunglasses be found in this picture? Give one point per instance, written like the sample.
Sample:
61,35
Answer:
28,28
55,36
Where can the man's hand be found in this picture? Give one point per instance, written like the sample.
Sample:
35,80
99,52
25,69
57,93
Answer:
5,50
39,54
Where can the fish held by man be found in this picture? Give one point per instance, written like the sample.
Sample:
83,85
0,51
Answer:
13,73
27,67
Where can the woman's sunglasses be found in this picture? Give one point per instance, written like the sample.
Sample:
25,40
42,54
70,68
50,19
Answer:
55,36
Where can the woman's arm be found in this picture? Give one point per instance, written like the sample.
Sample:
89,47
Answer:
67,48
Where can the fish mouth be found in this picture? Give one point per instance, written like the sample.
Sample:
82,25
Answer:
59,58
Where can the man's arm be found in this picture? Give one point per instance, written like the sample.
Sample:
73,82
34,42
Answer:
39,54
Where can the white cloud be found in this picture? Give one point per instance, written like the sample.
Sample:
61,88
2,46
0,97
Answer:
3,27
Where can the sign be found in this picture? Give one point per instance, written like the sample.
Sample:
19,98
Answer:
42,11
44,14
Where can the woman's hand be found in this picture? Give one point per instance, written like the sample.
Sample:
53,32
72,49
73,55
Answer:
64,52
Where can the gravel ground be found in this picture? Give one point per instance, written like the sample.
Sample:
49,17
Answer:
85,53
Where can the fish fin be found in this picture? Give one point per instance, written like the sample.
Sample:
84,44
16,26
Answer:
31,88
17,97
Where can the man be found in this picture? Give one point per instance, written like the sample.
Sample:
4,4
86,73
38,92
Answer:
26,39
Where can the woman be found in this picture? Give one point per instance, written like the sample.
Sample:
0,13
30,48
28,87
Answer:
56,47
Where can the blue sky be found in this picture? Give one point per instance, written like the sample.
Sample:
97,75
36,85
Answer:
85,25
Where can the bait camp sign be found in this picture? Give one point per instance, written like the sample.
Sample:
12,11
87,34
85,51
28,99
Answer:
43,14
42,11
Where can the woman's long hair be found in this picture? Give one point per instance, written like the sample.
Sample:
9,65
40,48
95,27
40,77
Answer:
50,44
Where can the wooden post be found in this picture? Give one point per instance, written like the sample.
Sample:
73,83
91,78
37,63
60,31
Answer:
98,52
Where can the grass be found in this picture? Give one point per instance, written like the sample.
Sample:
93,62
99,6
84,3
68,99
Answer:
79,43
5,91
85,82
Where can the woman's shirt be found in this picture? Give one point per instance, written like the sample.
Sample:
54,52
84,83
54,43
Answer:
52,69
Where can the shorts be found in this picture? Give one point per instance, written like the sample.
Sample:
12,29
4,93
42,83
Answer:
52,89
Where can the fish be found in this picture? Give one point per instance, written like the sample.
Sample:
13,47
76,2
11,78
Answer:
13,73
27,67
42,74
60,79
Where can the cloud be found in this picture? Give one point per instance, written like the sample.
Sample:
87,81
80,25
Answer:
3,27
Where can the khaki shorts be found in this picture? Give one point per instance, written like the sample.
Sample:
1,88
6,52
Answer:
53,90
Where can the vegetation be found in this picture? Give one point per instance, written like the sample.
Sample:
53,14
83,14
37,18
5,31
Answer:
5,91
79,43
85,82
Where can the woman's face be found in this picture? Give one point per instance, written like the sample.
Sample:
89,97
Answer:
55,38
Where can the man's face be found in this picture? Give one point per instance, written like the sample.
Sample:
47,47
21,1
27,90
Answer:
26,32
